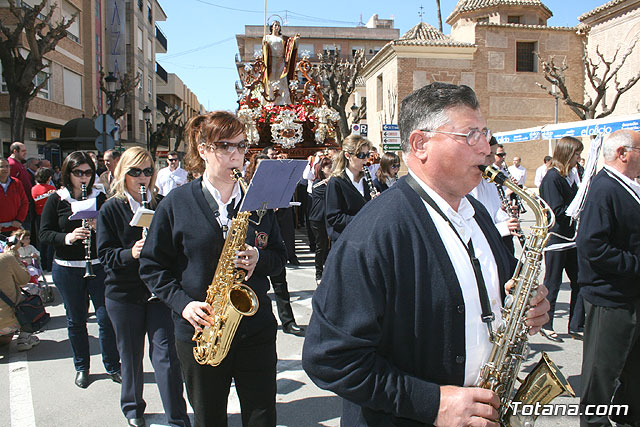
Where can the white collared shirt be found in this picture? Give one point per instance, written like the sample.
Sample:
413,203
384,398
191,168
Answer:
477,344
167,179
359,185
223,217
519,173
632,186
487,193
133,204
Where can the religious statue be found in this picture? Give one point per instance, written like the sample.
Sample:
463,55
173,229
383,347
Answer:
280,55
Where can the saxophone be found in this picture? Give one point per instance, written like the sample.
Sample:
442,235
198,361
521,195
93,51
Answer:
227,295
510,342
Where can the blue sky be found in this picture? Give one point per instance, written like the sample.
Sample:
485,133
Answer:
202,44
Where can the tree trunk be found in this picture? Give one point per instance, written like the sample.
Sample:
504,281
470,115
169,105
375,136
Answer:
439,15
18,110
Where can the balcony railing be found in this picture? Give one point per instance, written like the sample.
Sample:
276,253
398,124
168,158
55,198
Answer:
162,73
162,39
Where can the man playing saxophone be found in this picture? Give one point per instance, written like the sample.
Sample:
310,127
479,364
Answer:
398,329
178,261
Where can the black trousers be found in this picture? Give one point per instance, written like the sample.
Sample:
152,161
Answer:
287,230
131,323
283,299
554,263
319,229
251,363
611,362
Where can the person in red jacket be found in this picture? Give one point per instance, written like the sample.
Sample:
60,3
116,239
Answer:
40,193
13,201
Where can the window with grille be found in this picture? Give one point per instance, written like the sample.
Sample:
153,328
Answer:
525,57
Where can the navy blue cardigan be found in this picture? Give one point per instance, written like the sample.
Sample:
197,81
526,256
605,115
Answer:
343,202
609,244
556,191
388,323
115,238
181,253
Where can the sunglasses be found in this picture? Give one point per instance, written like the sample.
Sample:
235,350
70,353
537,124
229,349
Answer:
135,172
362,155
172,160
501,154
228,147
396,165
78,173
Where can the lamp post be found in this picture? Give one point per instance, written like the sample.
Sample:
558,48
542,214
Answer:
554,92
146,113
110,83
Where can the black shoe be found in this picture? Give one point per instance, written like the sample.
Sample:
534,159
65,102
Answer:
294,261
551,335
82,379
136,422
117,378
293,329
576,335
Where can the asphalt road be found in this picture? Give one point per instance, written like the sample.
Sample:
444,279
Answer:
37,389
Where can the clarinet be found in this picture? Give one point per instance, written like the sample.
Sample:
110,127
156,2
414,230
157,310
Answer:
145,230
373,192
506,206
143,193
88,267
517,198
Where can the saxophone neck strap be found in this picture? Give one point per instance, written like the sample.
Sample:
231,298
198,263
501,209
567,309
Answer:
487,315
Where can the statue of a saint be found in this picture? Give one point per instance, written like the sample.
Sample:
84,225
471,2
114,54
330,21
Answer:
279,53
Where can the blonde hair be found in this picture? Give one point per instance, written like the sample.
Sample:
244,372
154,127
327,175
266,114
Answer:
352,145
21,234
564,151
131,158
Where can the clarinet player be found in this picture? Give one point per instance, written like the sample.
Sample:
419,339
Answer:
128,302
179,260
69,266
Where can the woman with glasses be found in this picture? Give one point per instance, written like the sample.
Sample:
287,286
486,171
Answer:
558,188
322,172
133,312
387,173
67,236
347,191
179,260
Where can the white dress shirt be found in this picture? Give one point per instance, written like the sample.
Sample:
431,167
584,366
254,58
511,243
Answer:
477,344
487,193
236,196
519,173
168,180
540,173
359,185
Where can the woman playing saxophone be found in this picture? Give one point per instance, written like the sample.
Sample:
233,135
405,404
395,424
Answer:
183,250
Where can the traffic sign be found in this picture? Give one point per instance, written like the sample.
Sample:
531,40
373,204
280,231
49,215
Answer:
390,127
391,147
391,133
102,146
360,129
100,121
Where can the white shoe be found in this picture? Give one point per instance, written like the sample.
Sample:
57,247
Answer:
26,341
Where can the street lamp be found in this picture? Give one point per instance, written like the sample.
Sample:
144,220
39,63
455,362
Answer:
111,82
554,92
146,113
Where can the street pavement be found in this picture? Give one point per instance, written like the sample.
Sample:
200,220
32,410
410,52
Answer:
37,389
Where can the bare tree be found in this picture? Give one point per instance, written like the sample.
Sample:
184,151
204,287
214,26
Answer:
126,89
27,24
600,72
338,78
172,127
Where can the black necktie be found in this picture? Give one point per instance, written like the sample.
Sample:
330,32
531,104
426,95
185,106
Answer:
231,209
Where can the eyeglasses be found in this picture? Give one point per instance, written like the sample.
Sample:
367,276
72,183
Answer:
633,148
501,154
473,136
396,165
172,160
135,172
78,173
362,155
228,147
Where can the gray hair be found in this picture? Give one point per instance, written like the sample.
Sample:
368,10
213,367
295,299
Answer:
426,108
619,138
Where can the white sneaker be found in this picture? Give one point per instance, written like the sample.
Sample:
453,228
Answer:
26,341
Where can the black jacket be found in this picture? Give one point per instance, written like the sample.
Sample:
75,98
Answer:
380,186
181,253
609,244
317,212
388,322
55,225
556,191
343,202
115,240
